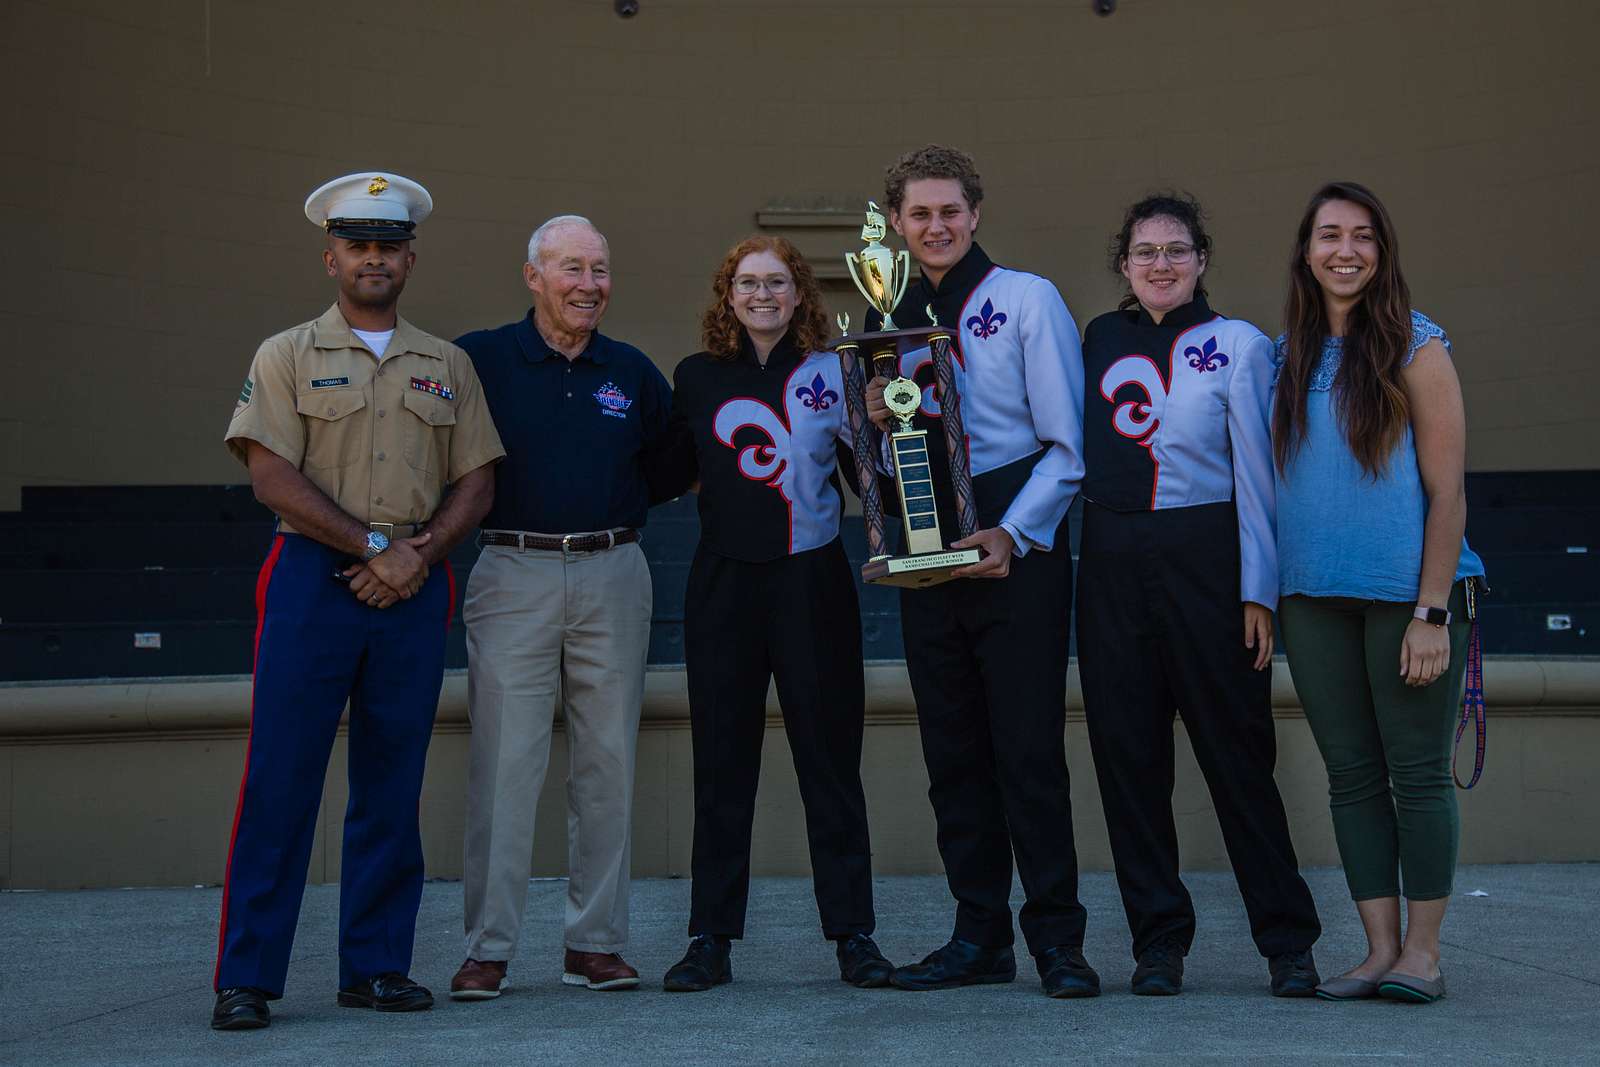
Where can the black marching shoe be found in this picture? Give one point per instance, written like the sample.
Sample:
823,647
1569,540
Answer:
957,963
861,964
706,964
1065,973
391,991
1159,972
1294,974
240,1008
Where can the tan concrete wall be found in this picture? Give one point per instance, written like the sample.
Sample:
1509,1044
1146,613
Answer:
154,156
135,784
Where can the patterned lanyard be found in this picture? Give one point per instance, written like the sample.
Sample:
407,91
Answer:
1472,706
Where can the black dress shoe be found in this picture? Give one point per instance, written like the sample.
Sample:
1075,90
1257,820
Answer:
1294,974
240,1008
1065,973
706,964
386,992
957,963
1160,970
861,964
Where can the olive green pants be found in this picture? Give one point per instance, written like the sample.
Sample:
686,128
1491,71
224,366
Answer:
1386,744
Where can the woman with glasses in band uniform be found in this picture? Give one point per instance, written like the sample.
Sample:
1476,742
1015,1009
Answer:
758,420
1369,439
1177,582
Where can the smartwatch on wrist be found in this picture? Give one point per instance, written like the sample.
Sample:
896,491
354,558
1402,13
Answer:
376,543
1434,616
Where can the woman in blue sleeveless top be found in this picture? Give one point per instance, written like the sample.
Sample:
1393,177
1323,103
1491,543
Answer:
1369,439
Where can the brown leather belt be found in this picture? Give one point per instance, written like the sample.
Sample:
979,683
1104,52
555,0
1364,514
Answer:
589,542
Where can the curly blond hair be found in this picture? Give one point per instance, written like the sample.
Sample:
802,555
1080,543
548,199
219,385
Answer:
723,334
932,161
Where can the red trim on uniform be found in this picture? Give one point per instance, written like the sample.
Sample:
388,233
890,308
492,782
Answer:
263,580
450,607
1149,444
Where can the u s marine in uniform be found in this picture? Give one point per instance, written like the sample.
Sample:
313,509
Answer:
352,425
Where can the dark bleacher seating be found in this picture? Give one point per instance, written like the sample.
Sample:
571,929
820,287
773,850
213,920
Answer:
82,570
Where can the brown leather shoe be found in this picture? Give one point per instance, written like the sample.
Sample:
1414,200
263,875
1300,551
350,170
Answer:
479,980
598,970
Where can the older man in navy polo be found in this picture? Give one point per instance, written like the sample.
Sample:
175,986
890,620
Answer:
558,608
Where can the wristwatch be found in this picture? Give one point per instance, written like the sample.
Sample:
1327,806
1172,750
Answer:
376,543
1436,616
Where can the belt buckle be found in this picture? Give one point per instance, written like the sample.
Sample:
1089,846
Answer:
385,528
566,545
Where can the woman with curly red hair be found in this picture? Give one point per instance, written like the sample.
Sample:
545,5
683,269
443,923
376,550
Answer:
758,419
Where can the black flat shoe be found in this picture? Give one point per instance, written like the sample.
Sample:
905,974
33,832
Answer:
706,964
1159,972
240,1008
1064,973
957,963
861,964
386,992
1294,974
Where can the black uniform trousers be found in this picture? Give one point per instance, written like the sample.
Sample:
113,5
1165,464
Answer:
988,666
794,620
1161,627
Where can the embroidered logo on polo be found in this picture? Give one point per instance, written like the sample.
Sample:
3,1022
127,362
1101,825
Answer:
433,386
1135,419
1206,357
329,383
987,322
613,401
816,396
759,462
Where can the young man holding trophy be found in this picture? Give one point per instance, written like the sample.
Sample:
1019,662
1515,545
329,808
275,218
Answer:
987,652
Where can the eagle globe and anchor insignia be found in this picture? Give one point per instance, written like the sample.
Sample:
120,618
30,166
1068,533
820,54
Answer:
882,277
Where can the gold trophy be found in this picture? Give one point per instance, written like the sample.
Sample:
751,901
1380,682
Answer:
882,277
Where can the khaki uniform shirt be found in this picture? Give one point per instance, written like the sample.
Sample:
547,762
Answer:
381,439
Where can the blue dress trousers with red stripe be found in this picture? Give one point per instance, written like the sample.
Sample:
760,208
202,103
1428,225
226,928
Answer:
317,647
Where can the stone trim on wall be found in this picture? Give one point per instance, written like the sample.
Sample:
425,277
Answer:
40,711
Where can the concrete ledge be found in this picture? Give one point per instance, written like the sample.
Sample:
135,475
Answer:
40,710
134,782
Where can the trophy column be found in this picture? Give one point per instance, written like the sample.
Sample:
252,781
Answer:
955,435
861,445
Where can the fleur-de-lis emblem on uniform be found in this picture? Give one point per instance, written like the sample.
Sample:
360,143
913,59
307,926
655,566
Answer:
986,324
817,396
1206,357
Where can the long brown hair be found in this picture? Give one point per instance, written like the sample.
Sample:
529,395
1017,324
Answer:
1368,396
723,334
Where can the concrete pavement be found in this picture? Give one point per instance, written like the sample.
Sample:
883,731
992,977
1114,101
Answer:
123,977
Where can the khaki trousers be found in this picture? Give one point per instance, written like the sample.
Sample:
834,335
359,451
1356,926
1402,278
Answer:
543,626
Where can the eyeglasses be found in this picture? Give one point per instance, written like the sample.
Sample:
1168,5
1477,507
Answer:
776,284
1144,255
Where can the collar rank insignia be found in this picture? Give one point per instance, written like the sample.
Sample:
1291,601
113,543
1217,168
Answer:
434,386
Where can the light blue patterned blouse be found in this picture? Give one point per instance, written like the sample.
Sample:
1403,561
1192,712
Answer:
1342,532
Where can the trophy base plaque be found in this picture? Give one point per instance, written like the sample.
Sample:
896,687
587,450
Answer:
920,570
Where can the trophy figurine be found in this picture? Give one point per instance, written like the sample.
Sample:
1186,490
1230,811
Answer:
882,276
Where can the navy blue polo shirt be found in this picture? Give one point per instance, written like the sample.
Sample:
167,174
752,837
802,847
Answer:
577,432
